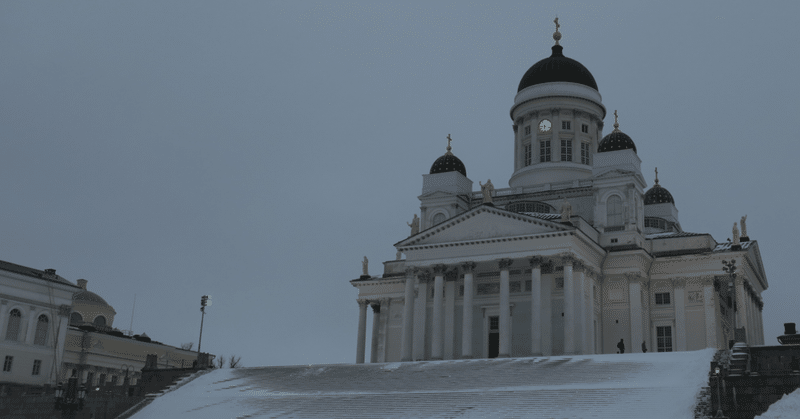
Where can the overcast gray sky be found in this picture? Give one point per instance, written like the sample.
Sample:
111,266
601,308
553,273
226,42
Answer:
256,151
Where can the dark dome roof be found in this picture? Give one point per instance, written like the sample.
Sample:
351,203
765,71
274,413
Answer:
617,140
658,195
557,67
89,297
448,163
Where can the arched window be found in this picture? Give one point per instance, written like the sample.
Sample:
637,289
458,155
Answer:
100,321
438,218
75,318
14,320
614,212
41,330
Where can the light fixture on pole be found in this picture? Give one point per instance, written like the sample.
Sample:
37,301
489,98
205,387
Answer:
730,269
205,301
719,414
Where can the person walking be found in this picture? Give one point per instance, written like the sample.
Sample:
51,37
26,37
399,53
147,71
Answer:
621,346
644,347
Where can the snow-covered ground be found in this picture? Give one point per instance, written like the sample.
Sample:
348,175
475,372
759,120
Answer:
787,407
653,385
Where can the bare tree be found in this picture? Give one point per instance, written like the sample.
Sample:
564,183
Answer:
220,361
187,346
234,361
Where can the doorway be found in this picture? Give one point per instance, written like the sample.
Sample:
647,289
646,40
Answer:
494,336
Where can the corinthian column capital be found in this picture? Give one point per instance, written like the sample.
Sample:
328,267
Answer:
468,267
439,269
504,264
536,261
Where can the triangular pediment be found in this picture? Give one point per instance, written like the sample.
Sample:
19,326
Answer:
481,223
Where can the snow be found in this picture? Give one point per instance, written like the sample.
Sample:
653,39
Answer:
653,385
787,407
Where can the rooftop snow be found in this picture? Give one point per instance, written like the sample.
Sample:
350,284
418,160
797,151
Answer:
661,385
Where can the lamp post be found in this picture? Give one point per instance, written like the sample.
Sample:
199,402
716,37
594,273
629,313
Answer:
730,269
204,302
70,400
719,414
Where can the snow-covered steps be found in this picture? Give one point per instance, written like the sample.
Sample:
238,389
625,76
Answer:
653,385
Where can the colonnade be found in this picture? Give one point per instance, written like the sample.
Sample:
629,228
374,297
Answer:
579,335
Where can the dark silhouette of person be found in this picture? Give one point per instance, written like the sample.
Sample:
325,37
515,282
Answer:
644,348
621,346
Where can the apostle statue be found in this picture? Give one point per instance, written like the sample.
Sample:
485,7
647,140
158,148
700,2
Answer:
744,227
365,267
487,190
735,235
566,210
414,225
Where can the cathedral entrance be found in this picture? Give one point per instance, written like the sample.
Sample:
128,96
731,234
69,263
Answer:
494,336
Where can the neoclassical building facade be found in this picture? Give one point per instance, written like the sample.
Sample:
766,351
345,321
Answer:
576,256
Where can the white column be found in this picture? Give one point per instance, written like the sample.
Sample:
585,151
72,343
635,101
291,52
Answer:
580,309
505,310
466,321
383,332
710,314
376,321
590,338
449,313
31,330
635,294
536,306
362,331
61,324
740,304
438,291
546,316
420,315
408,316
679,293
761,323
4,308
569,308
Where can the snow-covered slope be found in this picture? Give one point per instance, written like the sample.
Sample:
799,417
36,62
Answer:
787,407
653,385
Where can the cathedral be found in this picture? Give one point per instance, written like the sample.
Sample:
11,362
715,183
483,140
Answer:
575,256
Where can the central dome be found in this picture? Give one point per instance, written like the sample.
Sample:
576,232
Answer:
557,68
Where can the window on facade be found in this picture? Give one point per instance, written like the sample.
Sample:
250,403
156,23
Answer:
41,331
14,320
438,218
662,298
100,321
75,318
585,153
544,150
584,128
654,222
528,130
566,150
527,154
614,211
566,125
37,366
529,206
494,323
7,363
664,337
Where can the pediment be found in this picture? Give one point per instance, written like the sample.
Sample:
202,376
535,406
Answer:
483,223
611,173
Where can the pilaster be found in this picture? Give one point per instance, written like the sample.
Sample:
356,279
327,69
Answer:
679,292
505,309
466,329
536,305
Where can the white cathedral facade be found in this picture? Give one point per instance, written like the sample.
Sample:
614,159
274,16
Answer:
576,256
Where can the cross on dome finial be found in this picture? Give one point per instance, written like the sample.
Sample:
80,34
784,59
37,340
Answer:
656,175
616,121
557,34
448,144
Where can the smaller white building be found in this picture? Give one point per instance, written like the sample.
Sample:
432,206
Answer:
34,313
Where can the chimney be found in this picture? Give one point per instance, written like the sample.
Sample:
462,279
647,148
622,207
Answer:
82,283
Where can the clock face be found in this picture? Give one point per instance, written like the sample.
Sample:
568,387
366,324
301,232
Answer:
545,125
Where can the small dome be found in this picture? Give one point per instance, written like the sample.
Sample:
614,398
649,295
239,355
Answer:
89,296
448,162
616,140
557,68
658,194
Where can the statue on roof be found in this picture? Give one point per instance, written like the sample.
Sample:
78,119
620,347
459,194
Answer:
566,210
744,227
365,267
735,235
487,189
414,225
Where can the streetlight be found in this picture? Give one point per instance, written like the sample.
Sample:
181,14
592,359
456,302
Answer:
719,414
730,269
70,400
204,302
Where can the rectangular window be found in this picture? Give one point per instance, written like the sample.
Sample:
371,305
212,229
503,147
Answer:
494,323
527,152
585,153
37,366
566,150
7,363
662,298
664,336
544,150
584,128
566,125
528,285
528,130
